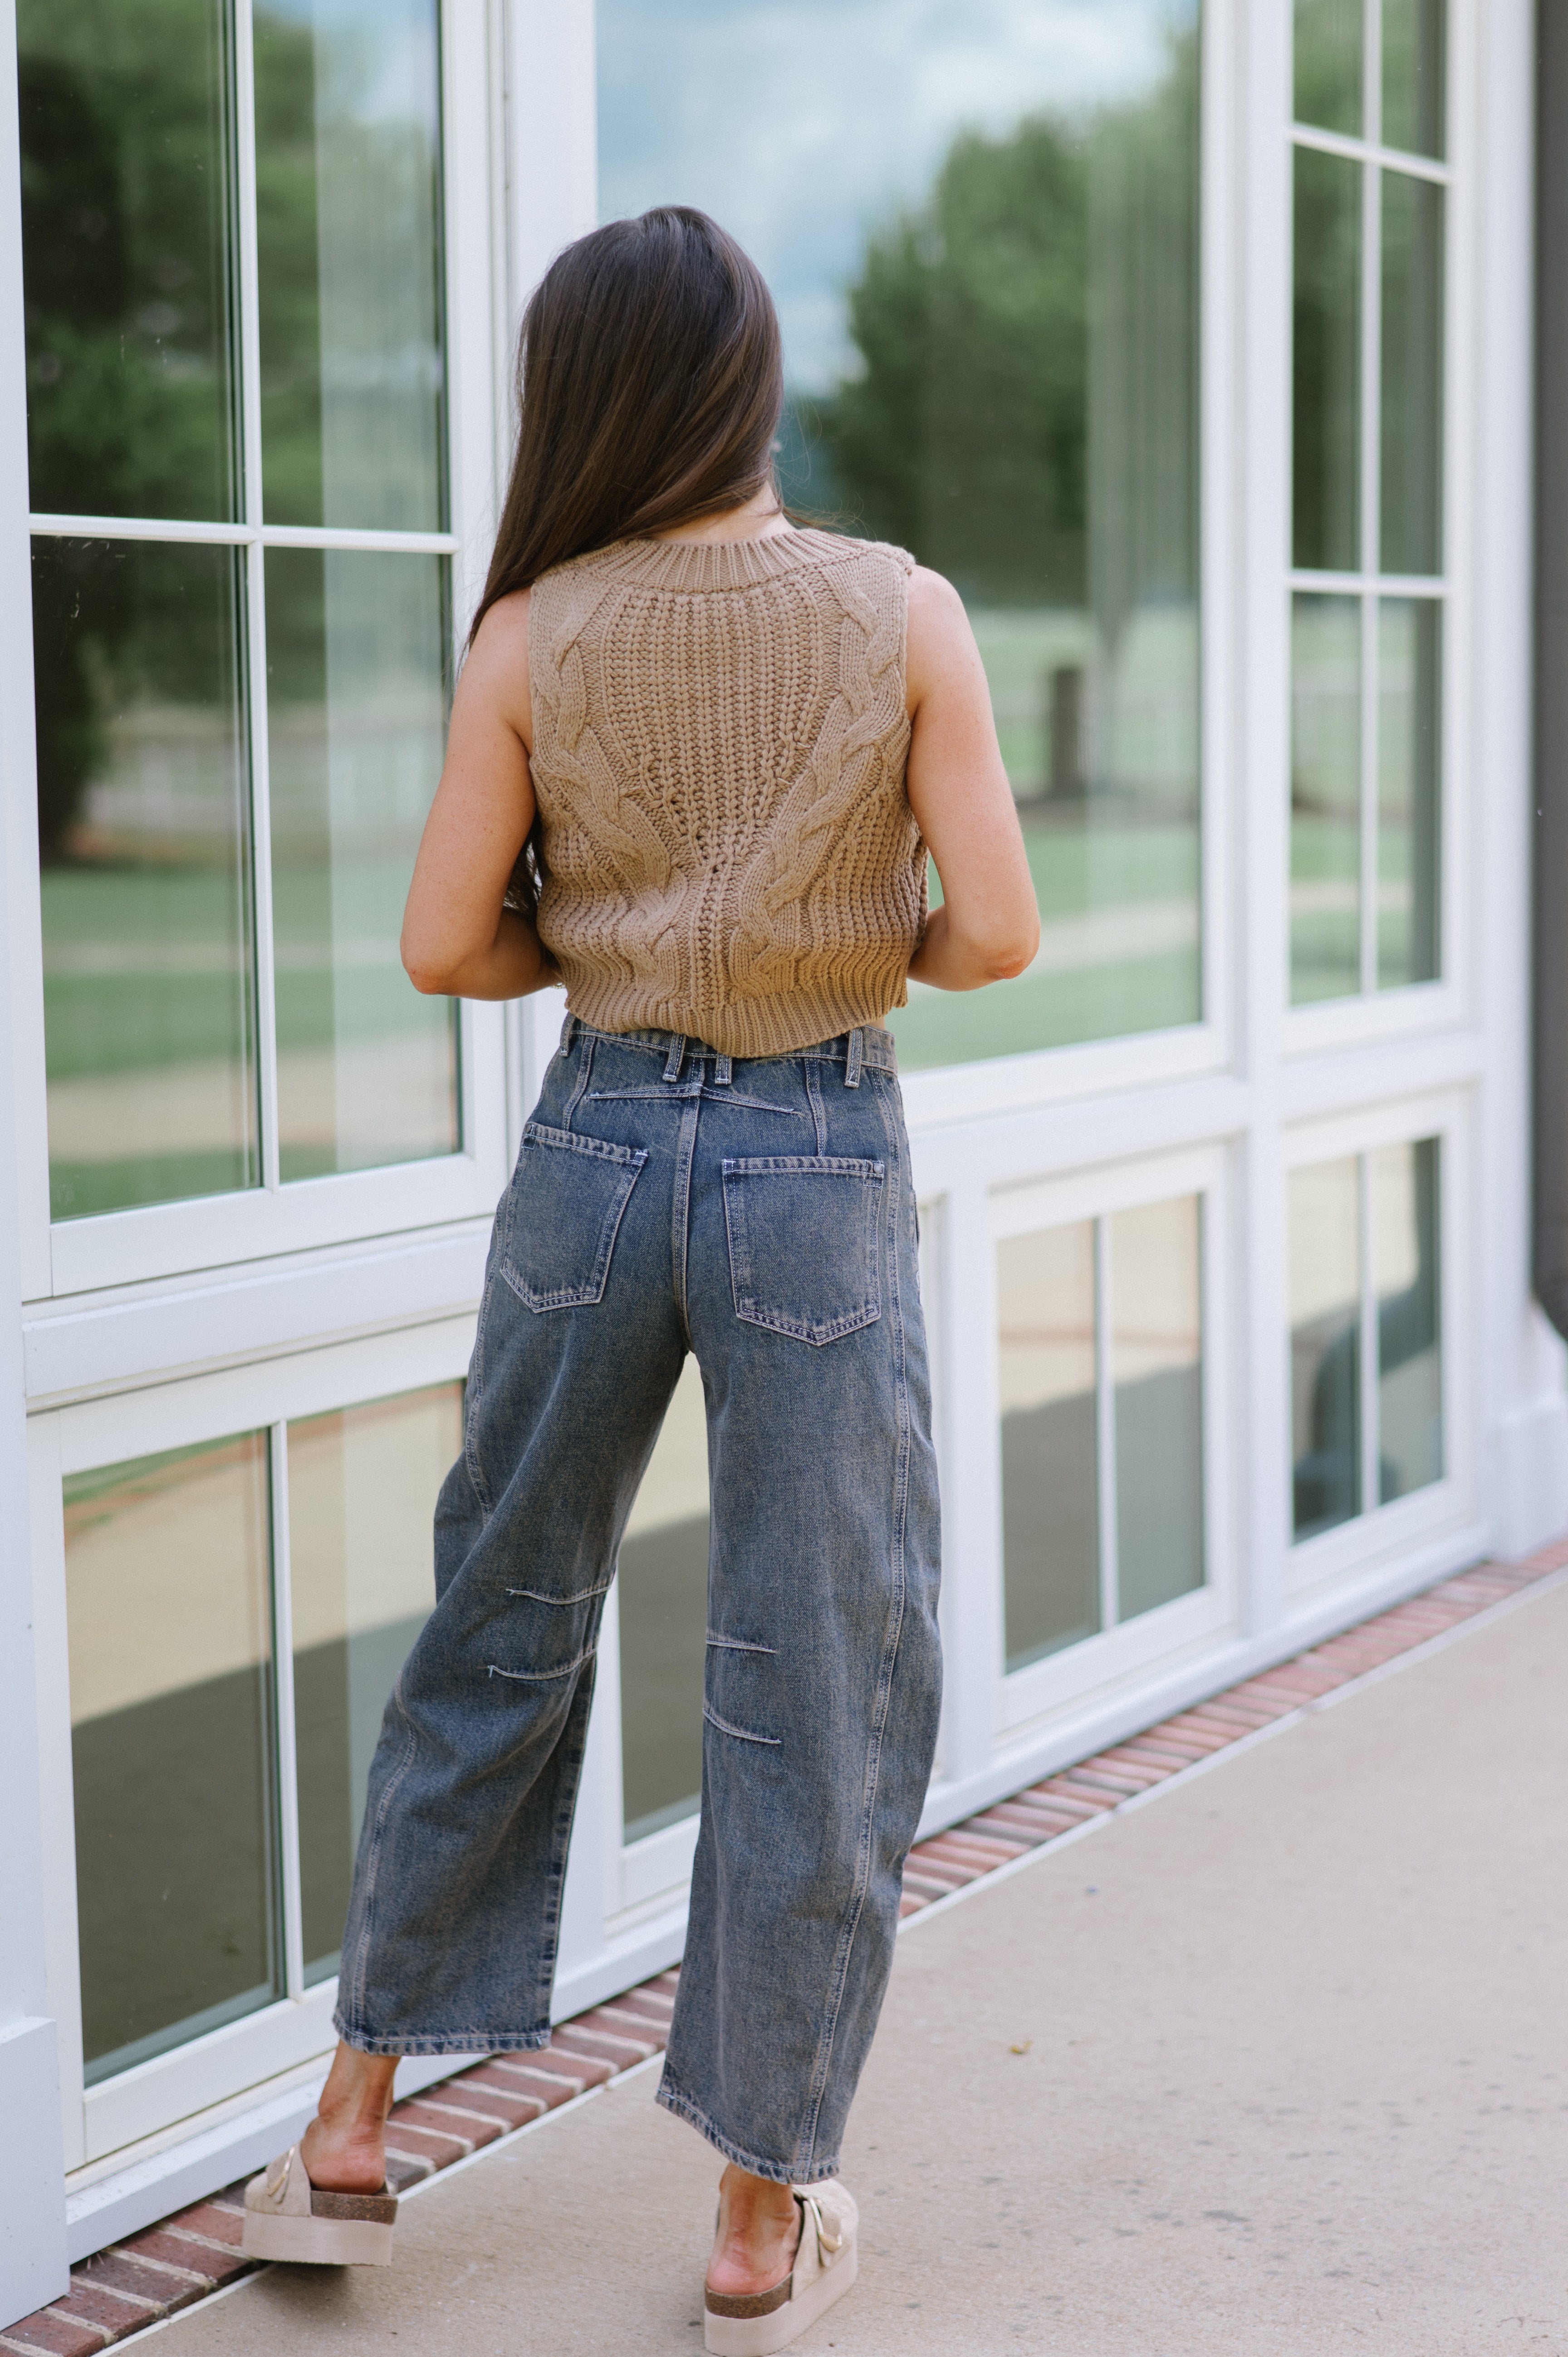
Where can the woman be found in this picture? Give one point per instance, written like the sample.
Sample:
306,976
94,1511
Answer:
727,743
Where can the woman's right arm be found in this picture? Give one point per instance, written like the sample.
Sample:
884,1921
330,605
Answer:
988,927
457,938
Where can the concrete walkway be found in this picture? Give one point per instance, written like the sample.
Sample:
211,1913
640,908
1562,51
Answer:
1277,2063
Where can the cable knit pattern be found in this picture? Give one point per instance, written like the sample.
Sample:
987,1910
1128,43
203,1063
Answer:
719,745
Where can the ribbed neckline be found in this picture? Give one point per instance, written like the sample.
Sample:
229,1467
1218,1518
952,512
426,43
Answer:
699,565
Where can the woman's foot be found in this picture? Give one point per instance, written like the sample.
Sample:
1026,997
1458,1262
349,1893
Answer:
344,2148
759,2231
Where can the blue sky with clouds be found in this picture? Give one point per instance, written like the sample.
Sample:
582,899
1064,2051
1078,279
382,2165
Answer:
802,123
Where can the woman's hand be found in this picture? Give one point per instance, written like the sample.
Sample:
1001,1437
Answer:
457,939
988,927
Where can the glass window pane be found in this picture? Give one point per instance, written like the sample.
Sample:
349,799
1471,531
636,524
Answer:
1326,363
355,716
1406,1243
1408,802
167,1592
1050,1490
362,1500
1324,1344
663,1585
149,1005
1325,798
1328,64
347,199
1413,76
1156,1362
984,245
126,226
1412,425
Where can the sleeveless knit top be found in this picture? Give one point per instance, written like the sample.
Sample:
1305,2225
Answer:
719,746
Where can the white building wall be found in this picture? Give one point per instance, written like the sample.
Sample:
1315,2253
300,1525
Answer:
1226,1107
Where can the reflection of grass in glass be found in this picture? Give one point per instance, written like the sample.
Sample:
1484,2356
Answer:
1047,1011
340,975
1102,886
142,967
1326,923
78,1189
1081,862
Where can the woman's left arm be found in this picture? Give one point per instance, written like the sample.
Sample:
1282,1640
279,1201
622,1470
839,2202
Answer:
457,939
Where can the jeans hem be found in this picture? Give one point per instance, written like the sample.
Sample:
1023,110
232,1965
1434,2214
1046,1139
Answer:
450,2042
776,2173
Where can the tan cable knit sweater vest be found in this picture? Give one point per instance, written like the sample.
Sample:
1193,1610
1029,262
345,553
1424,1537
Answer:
719,744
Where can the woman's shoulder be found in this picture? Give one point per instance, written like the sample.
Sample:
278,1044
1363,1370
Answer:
844,547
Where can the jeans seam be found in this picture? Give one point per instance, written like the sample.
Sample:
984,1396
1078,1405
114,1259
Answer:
373,1857
540,1677
742,1734
884,1674
680,1211
575,1099
561,1844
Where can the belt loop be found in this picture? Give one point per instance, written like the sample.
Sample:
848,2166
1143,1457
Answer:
721,1071
852,1061
677,1057
568,1033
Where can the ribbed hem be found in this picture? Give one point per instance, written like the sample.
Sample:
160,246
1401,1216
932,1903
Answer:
703,565
746,1026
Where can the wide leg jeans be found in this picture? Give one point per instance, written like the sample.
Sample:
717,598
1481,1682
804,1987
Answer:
760,1215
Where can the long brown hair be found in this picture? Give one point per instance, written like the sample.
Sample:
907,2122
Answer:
650,383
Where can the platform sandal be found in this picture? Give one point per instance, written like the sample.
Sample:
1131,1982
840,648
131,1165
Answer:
287,2217
757,2323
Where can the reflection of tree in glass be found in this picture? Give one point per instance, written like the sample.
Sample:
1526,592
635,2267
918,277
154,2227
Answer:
290,294
126,201
347,232
1023,417
963,436
124,214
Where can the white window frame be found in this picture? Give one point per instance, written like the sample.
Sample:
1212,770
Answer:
1091,1671
265,1396
1324,1026
1382,1534
207,1231
1242,1097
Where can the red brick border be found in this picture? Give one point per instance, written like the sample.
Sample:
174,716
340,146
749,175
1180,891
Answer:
187,2256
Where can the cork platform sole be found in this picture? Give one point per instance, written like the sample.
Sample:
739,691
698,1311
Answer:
288,2218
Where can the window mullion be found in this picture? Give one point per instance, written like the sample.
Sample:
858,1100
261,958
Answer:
1368,804
1367,1434
287,1792
255,585
1105,1429
1371,503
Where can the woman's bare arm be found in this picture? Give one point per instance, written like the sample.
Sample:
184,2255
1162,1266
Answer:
988,927
457,940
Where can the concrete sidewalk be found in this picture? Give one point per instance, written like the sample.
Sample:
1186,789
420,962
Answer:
1278,2063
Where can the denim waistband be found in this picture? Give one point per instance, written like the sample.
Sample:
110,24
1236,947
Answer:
869,1049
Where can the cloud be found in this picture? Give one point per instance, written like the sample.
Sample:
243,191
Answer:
802,123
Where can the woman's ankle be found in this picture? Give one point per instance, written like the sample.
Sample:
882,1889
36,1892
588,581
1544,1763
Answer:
757,2232
344,2148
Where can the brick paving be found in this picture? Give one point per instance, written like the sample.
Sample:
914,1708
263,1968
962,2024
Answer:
188,2256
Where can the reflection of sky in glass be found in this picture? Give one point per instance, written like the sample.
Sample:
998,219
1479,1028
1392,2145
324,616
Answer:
379,56
801,124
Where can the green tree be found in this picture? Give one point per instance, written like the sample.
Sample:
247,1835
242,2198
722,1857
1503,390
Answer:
1023,411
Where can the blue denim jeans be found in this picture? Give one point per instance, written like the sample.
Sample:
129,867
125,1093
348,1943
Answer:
761,1215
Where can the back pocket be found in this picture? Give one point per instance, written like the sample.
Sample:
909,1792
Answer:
802,1244
566,1204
